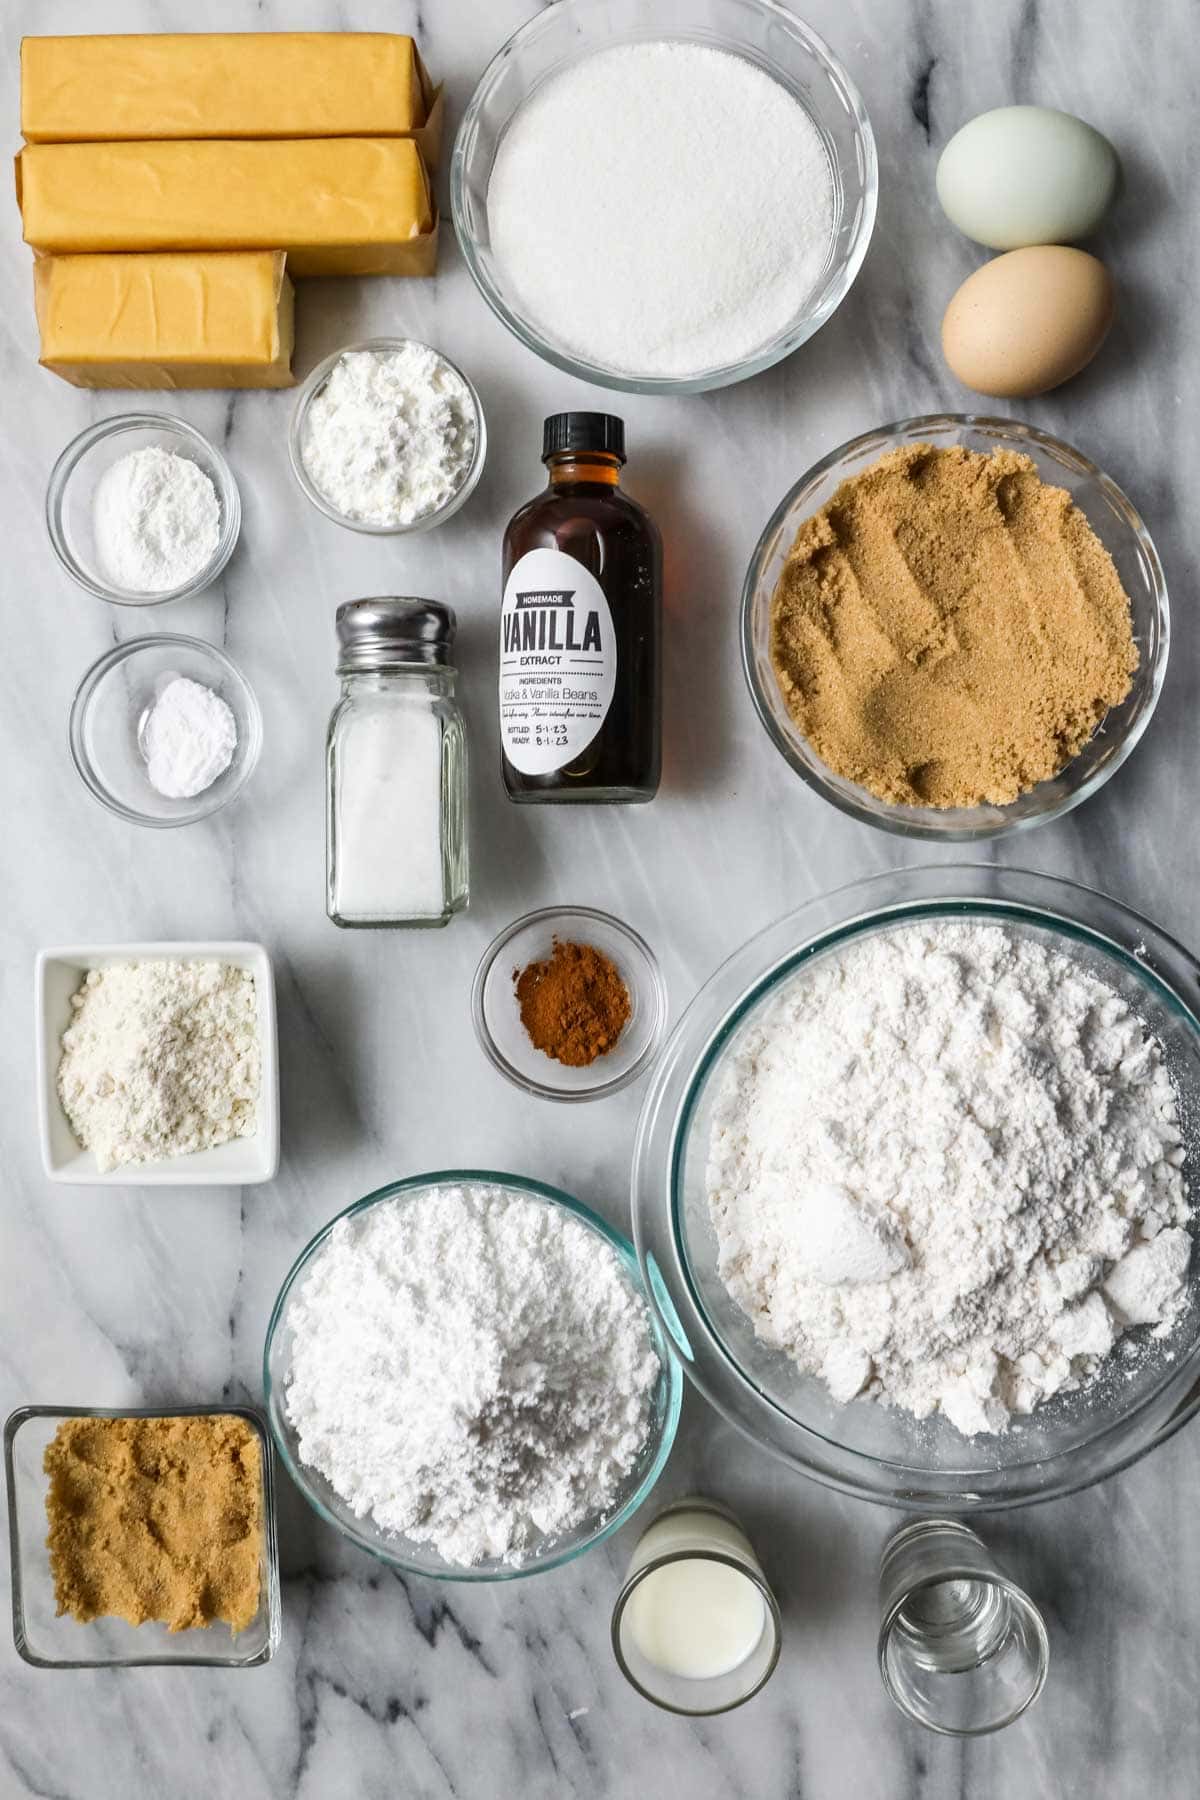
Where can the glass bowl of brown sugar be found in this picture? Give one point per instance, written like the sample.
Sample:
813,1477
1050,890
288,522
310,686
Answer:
569,1003
897,702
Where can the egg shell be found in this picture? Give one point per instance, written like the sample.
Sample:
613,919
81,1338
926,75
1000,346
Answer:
1027,175
1027,321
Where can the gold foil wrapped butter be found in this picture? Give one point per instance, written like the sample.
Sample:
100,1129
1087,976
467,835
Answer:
187,320
278,84
338,206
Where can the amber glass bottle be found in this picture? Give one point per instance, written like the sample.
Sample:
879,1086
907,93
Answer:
580,655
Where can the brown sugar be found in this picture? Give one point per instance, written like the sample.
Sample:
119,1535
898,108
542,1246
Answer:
948,630
156,1519
574,1005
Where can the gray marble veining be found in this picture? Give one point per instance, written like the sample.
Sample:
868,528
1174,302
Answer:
385,1686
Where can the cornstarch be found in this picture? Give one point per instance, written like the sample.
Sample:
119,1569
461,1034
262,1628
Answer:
472,1368
945,1169
661,208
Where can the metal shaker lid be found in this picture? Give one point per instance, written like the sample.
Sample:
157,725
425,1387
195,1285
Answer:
392,631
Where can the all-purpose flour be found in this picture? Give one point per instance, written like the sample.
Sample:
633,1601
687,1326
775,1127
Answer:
472,1368
945,1169
160,1059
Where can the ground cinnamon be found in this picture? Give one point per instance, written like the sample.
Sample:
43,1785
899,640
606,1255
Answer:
574,1005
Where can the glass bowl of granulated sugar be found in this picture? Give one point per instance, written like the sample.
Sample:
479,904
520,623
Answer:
916,1178
464,1376
662,201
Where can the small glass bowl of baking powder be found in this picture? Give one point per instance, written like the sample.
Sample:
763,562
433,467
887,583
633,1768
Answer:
108,716
314,386
497,1014
72,491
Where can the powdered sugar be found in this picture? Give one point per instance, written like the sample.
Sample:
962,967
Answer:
661,208
945,1168
471,1367
390,436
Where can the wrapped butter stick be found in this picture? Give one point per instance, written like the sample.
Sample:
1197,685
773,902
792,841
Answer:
189,320
338,206
245,84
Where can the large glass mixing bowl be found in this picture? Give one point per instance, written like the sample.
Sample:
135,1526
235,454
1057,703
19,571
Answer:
873,1451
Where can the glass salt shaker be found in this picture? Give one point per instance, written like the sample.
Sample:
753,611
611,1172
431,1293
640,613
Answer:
396,798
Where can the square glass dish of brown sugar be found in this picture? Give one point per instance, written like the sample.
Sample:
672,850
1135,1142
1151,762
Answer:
142,1535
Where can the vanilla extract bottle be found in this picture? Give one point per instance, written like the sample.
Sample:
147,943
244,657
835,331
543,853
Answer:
581,627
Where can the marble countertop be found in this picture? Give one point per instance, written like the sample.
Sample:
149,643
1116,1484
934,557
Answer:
384,1685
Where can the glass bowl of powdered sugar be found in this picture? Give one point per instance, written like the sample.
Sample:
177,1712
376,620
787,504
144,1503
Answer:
465,1378
165,730
660,197
916,1179
142,509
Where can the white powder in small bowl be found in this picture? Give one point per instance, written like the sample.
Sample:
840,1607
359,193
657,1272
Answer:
156,520
187,738
389,438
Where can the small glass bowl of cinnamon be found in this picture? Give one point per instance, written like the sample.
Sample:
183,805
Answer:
569,1003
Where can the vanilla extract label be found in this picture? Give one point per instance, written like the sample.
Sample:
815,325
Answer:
558,661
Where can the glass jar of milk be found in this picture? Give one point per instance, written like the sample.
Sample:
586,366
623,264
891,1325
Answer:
396,798
696,1628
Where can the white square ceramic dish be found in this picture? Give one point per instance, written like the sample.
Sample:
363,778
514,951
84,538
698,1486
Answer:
241,1163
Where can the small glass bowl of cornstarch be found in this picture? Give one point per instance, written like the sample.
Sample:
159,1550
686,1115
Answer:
387,437
141,509
659,201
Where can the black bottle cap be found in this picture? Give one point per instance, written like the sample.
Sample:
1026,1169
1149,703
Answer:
583,431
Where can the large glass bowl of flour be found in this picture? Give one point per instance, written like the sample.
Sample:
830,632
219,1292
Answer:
558,41
422,1558
1143,1392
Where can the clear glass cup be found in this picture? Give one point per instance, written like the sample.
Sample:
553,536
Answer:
962,1649
759,31
696,1628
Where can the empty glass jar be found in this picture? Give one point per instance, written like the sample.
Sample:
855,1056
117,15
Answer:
396,839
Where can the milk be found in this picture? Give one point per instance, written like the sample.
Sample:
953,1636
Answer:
694,1616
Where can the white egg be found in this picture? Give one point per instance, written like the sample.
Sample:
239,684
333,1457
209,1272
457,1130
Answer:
1026,175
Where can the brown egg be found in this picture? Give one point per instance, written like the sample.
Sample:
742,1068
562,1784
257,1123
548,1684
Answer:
1028,320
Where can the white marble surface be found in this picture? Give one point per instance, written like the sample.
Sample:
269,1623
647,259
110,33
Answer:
385,1686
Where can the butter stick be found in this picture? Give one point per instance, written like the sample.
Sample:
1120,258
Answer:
338,206
187,320
251,84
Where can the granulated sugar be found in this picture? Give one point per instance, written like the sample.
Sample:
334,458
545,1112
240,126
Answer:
473,1368
661,208
945,1169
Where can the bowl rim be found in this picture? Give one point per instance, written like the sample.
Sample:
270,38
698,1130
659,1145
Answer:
312,384
86,690
271,1599
69,459
726,375
670,1377
897,820
919,1490
657,993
